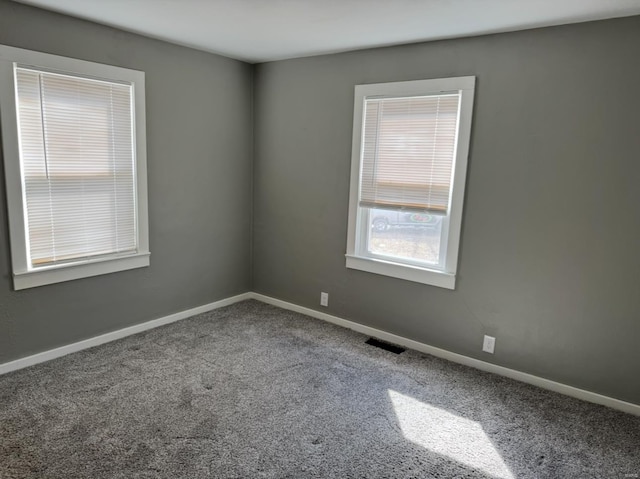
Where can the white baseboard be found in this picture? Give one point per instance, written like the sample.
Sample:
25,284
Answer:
457,358
360,328
120,333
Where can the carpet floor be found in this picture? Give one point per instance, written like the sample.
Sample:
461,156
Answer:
253,391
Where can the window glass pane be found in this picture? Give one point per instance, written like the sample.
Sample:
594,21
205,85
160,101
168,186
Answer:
406,235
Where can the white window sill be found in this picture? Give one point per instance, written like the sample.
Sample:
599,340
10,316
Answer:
71,271
402,271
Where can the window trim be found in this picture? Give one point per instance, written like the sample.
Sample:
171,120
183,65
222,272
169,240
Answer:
25,276
445,278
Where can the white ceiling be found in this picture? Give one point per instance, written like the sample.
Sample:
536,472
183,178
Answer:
264,30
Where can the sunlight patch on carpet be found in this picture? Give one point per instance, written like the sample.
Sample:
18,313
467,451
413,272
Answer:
449,435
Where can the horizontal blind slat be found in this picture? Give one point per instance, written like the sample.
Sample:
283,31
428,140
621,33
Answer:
77,157
408,152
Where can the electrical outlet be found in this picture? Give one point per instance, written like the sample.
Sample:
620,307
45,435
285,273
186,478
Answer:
489,344
324,299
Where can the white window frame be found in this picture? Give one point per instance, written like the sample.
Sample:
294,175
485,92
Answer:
24,275
357,256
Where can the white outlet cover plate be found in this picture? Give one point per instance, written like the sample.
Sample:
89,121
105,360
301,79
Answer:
489,344
324,299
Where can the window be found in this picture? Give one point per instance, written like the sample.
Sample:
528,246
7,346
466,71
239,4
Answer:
75,167
409,161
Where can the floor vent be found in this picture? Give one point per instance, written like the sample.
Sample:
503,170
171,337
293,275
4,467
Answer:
386,346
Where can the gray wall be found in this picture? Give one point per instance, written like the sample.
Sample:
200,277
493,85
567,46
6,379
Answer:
549,259
199,162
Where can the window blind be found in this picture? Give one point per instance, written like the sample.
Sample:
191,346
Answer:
408,152
76,142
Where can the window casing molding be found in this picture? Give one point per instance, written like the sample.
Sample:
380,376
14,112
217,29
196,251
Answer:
358,257
24,274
